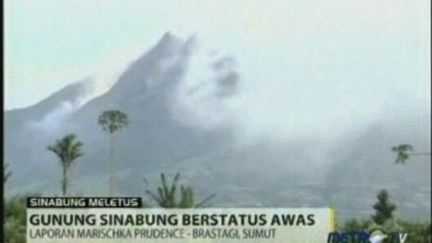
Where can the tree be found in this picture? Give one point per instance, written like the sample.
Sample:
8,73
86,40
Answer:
67,149
6,174
404,152
112,121
167,196
383,208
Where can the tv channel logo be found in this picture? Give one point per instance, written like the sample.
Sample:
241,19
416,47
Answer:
376,235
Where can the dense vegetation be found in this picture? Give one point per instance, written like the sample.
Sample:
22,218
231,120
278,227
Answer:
15,220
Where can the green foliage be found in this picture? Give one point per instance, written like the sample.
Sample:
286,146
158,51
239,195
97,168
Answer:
15,220
383,208
14,232
113,120
418,232
67,149
15,208
167,196
403,152
357,225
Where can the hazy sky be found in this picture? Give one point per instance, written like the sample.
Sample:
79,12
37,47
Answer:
352,49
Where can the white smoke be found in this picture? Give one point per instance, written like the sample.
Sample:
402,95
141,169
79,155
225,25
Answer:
55,120
199,100
77,95
267,101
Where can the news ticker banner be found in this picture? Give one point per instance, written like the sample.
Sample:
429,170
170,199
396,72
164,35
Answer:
106,220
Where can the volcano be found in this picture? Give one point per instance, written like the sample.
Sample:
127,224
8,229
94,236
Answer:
155,93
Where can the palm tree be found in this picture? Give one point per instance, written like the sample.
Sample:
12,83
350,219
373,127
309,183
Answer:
67,149
404,152
112,121
166,196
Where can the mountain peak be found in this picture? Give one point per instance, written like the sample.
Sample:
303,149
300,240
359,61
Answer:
160,65
169,41
168,37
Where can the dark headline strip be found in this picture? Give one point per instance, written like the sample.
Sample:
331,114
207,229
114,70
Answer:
84,202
